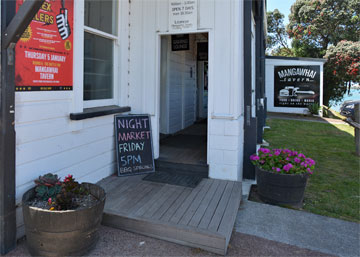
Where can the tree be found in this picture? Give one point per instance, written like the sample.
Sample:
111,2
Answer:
320,23
282,51
276,41
315,25
342,66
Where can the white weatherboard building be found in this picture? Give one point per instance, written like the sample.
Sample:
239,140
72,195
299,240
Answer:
293,83
127,61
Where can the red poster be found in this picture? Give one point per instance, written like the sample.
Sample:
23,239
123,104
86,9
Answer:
44,53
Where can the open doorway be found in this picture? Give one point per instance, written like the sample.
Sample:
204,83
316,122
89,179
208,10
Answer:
184,104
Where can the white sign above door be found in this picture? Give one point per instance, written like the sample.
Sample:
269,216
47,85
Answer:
182,15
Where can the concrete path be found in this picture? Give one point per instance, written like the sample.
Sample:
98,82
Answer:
287,116
116,242
298,228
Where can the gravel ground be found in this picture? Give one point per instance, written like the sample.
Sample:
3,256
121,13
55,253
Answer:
115,242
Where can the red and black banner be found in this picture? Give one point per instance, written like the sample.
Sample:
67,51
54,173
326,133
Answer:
44,53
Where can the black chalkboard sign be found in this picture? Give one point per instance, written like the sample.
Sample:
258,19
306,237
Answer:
134,150
180,42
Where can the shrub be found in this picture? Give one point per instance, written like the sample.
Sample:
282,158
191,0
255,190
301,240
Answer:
314,108
283,161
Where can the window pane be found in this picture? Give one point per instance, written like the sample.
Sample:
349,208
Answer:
101,15
98,67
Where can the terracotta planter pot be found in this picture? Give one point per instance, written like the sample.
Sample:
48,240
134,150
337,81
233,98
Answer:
286,189
62,233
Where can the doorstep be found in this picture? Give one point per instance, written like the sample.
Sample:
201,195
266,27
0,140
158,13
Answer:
201,217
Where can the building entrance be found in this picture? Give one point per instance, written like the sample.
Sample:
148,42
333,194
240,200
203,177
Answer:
183,104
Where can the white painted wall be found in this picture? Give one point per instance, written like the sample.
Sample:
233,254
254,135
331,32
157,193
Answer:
178,87
269,83
48,141
223,21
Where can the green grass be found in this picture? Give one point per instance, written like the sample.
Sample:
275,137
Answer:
333,190
330,113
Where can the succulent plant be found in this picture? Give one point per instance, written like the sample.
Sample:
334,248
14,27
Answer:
59,195
70,189
47,186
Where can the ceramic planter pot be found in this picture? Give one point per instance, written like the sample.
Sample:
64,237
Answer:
285,189
62,233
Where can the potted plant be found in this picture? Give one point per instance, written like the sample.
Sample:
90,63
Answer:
314,109
282,175
62,217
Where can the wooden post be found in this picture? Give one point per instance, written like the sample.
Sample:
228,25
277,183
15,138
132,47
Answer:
12,26
357,130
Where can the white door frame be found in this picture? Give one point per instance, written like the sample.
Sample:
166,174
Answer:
158,78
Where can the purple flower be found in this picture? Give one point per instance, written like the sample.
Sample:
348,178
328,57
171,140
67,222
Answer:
264,150
287,167
283,161
300,155
310,161
294,153
254,157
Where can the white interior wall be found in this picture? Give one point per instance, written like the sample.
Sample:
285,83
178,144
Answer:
178,87
269,83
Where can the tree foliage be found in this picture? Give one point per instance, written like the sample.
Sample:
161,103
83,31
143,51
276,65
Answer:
320,23
342,67
276,40
317,27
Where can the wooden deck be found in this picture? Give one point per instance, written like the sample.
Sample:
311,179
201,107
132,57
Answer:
201,217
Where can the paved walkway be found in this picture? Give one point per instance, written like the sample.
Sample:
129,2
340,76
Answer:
298,228
288,116
260,230
116,242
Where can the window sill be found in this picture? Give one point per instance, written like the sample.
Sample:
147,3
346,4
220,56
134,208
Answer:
98,112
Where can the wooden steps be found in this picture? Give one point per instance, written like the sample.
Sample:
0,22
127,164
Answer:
201,217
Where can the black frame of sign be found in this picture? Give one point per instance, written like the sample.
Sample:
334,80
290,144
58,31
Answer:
117,147
292,82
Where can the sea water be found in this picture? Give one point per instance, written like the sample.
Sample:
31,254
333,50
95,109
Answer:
354,95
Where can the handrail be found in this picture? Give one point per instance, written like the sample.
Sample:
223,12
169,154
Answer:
352,123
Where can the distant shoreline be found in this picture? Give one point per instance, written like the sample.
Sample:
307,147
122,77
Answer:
354,95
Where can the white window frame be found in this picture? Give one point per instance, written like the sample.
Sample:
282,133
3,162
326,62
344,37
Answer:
116,69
